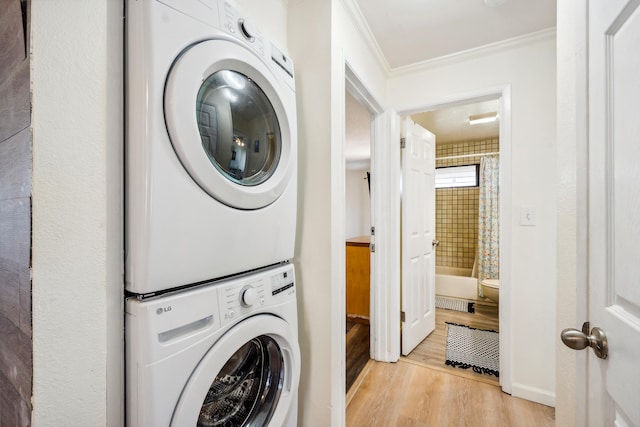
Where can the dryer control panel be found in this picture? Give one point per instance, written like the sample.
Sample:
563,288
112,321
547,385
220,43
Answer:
243,28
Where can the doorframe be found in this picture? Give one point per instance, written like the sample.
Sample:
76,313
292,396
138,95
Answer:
386,335
572,393
381,218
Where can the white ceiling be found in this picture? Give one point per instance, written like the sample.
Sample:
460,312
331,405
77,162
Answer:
452,124
448,125
411,31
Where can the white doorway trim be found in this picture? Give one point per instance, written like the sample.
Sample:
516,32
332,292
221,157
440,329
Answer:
356,88
385,219
387,338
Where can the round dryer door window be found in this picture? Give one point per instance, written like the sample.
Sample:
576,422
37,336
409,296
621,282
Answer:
238,127
248,378
231,122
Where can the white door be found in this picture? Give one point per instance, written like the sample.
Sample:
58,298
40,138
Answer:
418,233
613,384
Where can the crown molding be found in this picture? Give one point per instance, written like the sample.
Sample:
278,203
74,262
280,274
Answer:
465,55
358,20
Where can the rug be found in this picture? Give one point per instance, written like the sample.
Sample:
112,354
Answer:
454,304
468,347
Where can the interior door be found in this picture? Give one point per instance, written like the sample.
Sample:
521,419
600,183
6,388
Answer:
614,206
418,232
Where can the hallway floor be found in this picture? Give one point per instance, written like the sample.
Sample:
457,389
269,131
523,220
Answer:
420,390
407,394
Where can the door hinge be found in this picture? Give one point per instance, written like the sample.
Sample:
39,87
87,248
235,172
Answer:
402,316
403,142
373,231
372,247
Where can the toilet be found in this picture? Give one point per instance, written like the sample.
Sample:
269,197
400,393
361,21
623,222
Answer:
491,289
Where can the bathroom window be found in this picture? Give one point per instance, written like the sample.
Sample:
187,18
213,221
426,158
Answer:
457,176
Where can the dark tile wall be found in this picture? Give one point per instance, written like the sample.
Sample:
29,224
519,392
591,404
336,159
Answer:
16,369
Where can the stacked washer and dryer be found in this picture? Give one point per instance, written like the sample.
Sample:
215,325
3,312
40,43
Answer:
210,315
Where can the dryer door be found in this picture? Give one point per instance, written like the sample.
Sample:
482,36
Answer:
248,378
228,118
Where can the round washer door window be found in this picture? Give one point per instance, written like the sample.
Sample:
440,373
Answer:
247,389
228,119
247,378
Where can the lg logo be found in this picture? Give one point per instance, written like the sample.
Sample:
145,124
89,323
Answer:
161,310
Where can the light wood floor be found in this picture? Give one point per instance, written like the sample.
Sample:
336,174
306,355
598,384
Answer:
407,394
431,351
420,390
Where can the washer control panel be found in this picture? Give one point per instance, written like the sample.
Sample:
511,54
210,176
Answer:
283,284
240,297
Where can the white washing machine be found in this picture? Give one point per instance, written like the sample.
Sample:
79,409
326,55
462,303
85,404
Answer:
210,145
224,354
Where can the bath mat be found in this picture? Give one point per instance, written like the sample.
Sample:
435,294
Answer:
468,347
455,304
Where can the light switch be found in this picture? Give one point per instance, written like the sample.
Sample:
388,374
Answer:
527,216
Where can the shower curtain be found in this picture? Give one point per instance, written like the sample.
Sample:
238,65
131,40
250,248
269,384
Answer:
488,221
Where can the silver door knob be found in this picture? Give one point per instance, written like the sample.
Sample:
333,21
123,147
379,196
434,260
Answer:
435,243
579,340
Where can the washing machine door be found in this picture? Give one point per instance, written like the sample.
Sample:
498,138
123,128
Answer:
247,378
228,118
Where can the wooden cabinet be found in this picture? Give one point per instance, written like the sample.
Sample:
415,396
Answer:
358,268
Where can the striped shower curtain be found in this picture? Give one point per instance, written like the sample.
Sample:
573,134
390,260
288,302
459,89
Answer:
489,221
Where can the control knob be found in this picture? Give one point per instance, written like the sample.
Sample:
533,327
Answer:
248,296
247,29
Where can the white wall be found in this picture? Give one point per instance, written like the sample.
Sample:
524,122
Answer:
77,212
357,204
310,48
321,38
530,69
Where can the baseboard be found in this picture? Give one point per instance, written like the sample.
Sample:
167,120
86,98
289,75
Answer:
357,319
534,394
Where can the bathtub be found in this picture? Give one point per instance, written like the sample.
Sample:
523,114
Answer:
456,282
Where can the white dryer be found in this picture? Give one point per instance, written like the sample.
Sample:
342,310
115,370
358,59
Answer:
210,145
224,354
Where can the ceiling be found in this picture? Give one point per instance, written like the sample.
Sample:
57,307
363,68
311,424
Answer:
447,124
452,124
413,31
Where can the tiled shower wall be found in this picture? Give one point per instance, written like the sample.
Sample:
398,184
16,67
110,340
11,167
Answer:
457,208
